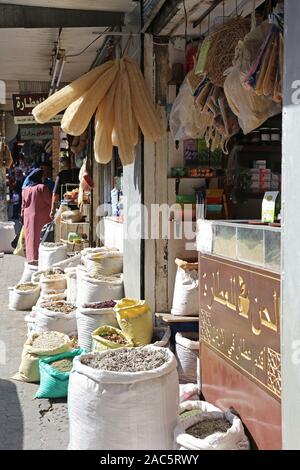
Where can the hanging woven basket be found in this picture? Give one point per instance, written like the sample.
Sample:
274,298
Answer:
223,41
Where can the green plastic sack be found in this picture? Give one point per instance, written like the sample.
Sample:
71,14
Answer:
99,343
54,383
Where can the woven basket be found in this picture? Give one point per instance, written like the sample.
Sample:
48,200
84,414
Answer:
224,40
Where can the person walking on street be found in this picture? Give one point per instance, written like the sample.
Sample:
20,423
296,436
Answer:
36,205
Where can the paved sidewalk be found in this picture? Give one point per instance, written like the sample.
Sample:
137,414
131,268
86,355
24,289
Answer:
25,422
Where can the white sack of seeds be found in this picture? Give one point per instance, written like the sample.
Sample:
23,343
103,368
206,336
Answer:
187,352
185,297
48,320
123,410
51,253
39,345
233,439
89,319
21,299
92,289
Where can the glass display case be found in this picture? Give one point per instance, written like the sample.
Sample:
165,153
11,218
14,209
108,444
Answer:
254,244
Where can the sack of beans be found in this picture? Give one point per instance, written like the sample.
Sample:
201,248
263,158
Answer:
108,337
55,373
211,430
161,337
117,391
106,263
40,345
187,353
52,281
90,317
135,320
56,316
51,253
98,288
23,296
71,291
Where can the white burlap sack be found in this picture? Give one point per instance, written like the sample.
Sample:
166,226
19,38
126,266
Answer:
51,254
233,439
23,300
98,290
89,319
48,320
185,299
7,235
29,270
106,263
128,411
187,352
48,284
51,297
29,367
71,284
89,251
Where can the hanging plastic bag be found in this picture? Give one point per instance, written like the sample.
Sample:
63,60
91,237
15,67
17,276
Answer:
184,117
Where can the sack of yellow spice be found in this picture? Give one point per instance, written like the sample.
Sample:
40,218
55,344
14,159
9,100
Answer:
135,320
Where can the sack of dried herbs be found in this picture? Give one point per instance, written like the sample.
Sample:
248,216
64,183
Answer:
56,316
135,320
211,430
54,374
108,337
115,391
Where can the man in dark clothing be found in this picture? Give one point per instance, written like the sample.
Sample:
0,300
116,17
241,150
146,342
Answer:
68,176
17,193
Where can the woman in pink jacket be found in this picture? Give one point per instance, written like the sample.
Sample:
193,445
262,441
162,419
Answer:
36,205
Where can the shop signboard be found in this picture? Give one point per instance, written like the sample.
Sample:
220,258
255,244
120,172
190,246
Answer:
240,320
36,133
23,105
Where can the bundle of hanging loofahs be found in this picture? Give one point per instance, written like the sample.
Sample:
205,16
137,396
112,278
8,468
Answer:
117,92
223,41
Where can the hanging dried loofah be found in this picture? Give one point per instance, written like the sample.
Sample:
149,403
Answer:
223,41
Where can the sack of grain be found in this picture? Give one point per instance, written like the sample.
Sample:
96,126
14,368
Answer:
56,316
106,263
23,296
90,317
211,430
39,345
185,299
7,235
135,320
51,253
55,373
29,270
140,394
30,322
109,337
98,289
161,337
52,282
52,297
71,292
187,352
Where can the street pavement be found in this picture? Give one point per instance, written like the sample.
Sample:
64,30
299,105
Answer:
25,423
